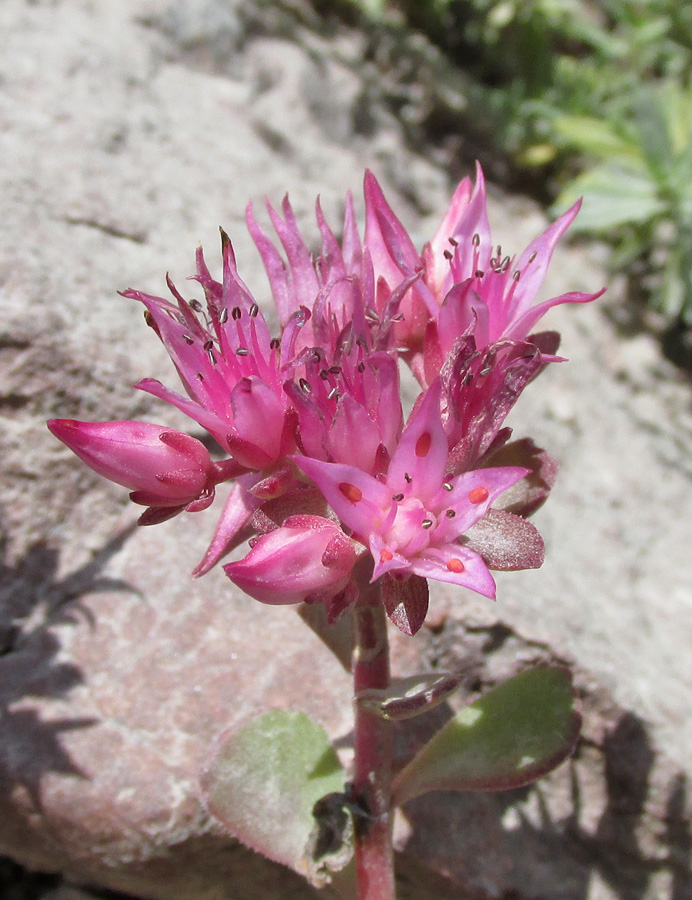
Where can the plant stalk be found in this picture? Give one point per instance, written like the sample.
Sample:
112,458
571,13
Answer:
374,854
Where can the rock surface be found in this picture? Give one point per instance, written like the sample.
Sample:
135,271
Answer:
128,133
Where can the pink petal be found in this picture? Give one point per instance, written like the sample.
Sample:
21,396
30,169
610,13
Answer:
419,461
455,564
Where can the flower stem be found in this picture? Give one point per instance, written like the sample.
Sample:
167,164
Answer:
373,756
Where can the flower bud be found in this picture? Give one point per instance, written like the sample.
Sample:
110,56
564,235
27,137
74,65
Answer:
160,466
307,558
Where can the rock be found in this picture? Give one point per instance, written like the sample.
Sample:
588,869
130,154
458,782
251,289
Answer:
129,132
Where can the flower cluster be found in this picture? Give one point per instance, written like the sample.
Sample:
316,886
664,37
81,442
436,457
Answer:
328,483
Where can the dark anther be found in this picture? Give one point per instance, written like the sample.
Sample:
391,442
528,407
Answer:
324,374
334,370
448,254
333,394
427,523
212,358
398,497
448,486
407,478
479,273
305,386
533,256
208,345
196,305
361,367
242,351
486,370
517,275
450,513
454,242
200,377
236,313
274,344
223,316
476,240
254,309
188,339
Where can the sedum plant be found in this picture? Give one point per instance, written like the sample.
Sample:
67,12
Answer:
347,508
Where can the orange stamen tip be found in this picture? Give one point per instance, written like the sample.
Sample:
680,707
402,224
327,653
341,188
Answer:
479,495
455,565
351,492
423,444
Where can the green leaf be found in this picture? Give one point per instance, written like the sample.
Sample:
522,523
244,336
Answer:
511,736
612,197
263,783
596,137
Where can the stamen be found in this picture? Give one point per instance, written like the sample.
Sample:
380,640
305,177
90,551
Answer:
333,393
517,275
212,358
450,513
455,565
236,313
479,273
454,242
208,345
188,340
200,377
447,254
479,495
274,344
223,315
242,351
149,319
426,523
476,240
254,309
533,256
486,370
334,370
448,486
407,478
397,497
196,305
351,492
361,367
423,444
305,386
324,374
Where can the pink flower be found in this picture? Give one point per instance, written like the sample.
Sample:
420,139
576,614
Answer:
466,282
414,521
308,558
164,469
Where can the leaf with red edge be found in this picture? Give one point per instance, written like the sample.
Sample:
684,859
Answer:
263,783
409,697
506,542
516,733
529,494
406,602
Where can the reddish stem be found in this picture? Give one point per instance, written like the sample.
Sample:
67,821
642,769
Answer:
373,756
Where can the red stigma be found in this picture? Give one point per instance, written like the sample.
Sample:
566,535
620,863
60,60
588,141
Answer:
423,444
350,492
479,495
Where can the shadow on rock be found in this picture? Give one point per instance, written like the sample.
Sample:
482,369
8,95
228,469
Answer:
34,602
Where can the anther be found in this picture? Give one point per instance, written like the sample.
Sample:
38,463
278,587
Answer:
486,370
208,345
426,523
149,319
188,339
517,275
533,256
305,386
447,254
274,344
361,367
450,513
200,377
351,492
407,478
448,486
333,393
212,358
236,313
334,370
242,351
478,494
223,315
454,242
196,305
476,240
479,273
397,497
254,309
324,374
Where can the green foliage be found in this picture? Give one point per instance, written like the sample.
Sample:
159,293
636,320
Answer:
263,784
517,732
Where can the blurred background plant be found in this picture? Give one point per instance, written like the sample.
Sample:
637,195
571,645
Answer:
587,98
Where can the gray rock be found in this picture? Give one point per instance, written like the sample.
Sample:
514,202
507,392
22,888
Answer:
129,132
